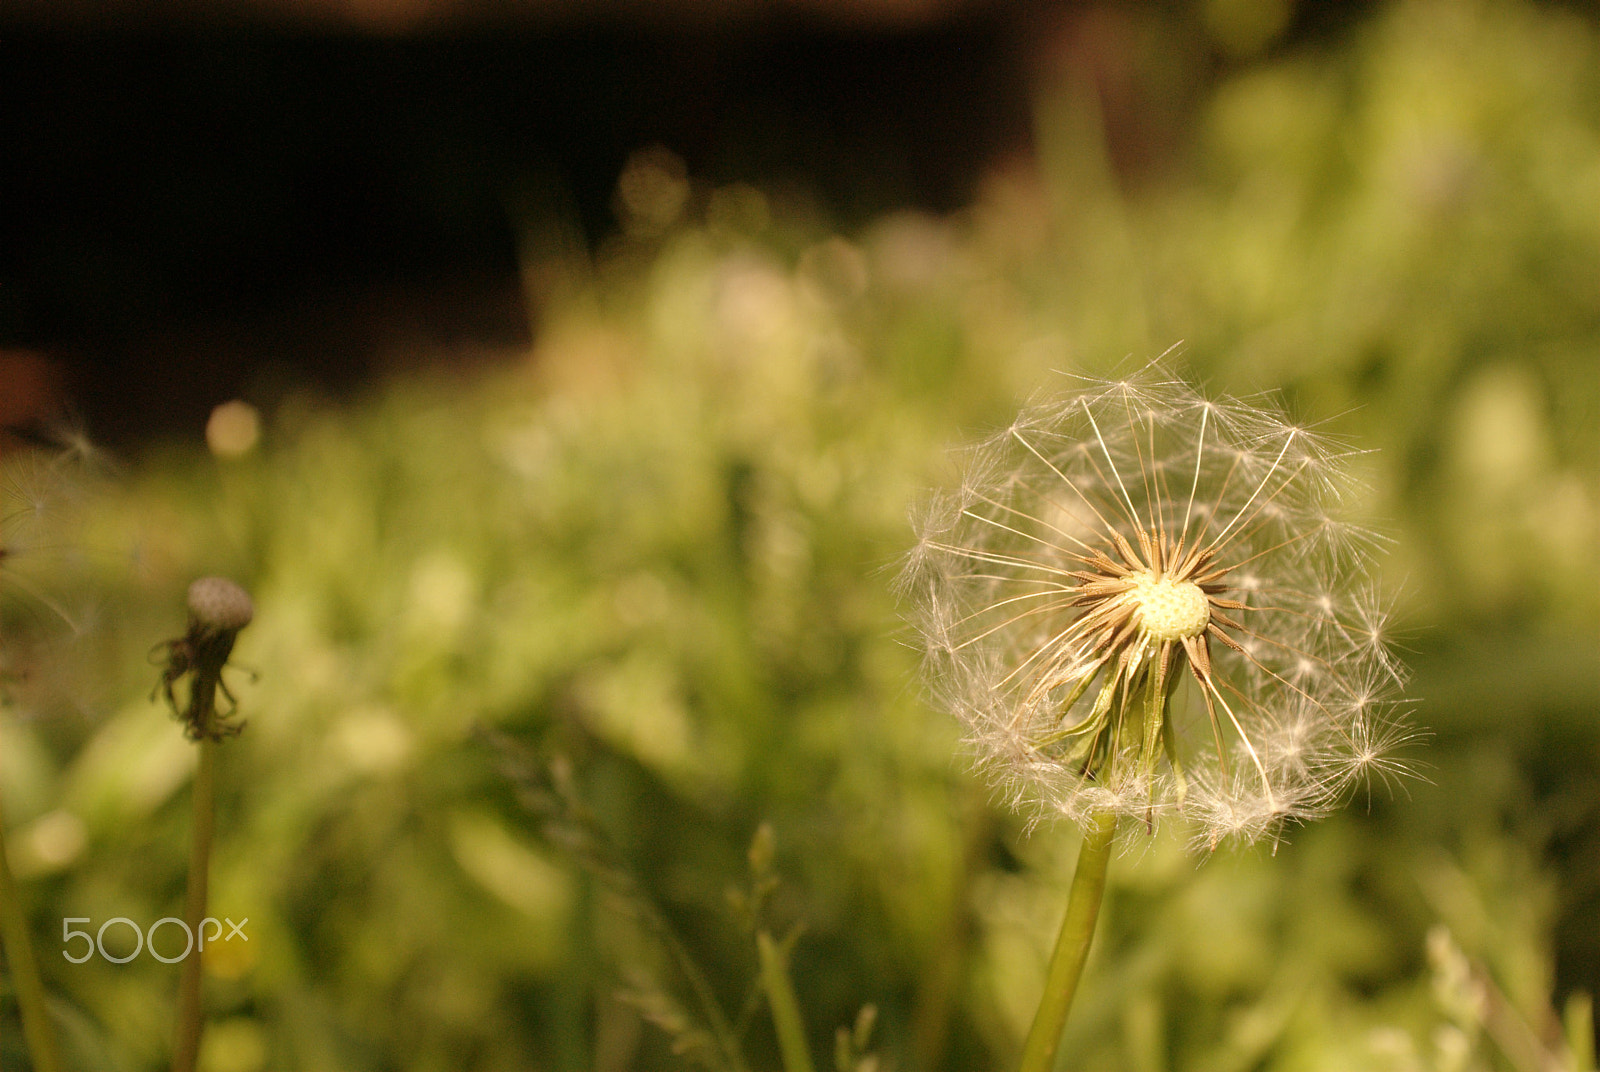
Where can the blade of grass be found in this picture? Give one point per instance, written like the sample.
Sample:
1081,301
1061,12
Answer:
37,1031
785,1007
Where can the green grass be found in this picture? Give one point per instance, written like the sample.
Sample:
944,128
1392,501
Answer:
658,551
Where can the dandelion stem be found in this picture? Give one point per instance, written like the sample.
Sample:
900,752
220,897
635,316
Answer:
186,1048
36,1029
218,609
1072,945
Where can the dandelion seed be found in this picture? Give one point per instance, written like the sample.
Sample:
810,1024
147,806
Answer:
1145,603
39,491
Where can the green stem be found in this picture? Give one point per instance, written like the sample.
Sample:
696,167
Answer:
186,1047
1579,1023
1072,946
36,1028
785,1008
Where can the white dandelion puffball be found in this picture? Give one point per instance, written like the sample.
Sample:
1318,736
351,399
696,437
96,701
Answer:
1144,602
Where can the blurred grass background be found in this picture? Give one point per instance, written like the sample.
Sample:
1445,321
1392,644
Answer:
656,552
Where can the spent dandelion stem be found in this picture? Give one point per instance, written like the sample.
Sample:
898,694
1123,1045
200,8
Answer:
1147,605
218,609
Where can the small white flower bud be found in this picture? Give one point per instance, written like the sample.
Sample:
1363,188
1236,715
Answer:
218,605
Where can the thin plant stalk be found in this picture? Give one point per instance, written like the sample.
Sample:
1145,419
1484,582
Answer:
785,1008
1072,945
218,609
186,1048
1579,1023
37,1031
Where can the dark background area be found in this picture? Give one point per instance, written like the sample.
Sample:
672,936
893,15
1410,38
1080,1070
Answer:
191,211
196,211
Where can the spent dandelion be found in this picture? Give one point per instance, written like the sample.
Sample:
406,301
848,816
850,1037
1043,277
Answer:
1147,604
33,486
218,610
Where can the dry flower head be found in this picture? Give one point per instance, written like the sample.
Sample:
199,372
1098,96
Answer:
218,609
1147,602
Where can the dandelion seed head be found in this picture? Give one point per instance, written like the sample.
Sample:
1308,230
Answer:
219,605
1146,601
1169,610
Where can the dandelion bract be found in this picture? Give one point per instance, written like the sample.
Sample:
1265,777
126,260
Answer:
1145,602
